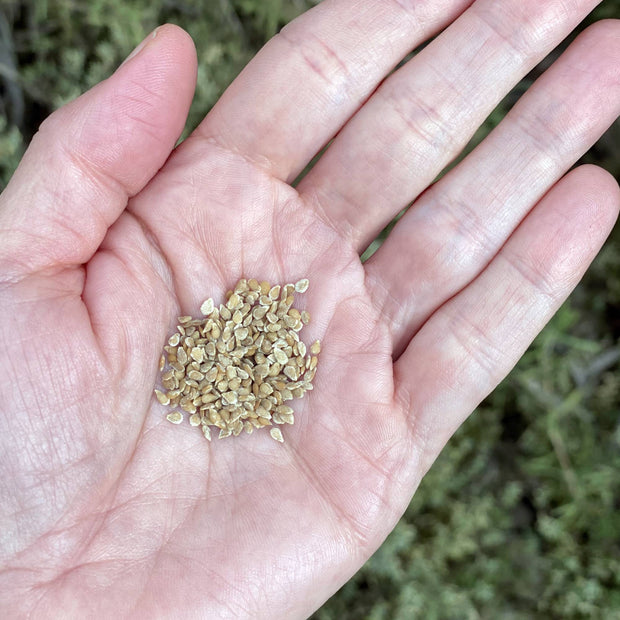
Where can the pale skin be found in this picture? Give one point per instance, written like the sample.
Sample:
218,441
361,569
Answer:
108,233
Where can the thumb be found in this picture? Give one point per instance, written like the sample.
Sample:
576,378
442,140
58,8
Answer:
94,153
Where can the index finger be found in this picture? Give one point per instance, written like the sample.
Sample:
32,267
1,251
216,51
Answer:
305,84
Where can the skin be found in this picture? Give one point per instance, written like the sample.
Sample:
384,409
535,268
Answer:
108,233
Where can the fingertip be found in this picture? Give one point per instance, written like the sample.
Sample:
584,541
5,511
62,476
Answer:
170,41
603,32
599,191
95,152
170,35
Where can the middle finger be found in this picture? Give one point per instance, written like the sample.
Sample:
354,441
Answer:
425,113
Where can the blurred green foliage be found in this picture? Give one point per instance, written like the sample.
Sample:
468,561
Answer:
520,516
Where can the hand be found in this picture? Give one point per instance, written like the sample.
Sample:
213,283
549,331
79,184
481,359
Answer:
108,233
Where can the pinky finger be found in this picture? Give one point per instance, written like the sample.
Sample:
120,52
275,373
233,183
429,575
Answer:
471,343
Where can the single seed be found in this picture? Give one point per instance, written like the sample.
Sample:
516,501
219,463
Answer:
280,356
162,398
276,434
197,354
207,307
175,417
230,397
291,372
315,349
173,341
302,285
233,302
182,356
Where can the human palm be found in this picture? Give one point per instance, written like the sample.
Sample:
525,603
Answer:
108,508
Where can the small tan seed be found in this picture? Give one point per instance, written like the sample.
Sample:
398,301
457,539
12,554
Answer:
234,302
280,356
182,356
276,434
197,354
207,307
162,398
302,285
175,417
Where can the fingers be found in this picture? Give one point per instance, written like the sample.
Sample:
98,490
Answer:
308,80
473,341
425,113
454,229
92,154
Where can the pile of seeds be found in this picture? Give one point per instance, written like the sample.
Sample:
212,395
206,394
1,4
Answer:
237,367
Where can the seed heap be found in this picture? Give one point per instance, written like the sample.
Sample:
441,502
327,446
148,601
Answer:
237,367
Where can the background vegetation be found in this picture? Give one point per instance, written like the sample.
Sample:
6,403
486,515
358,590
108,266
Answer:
519,518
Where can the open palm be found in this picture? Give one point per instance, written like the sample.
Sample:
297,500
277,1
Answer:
106,507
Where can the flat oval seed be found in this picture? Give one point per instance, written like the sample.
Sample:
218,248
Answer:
162,398
230,397
182,356
197,354
302,285
276,434
280,356
176,417
207,307
233,302
259,312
